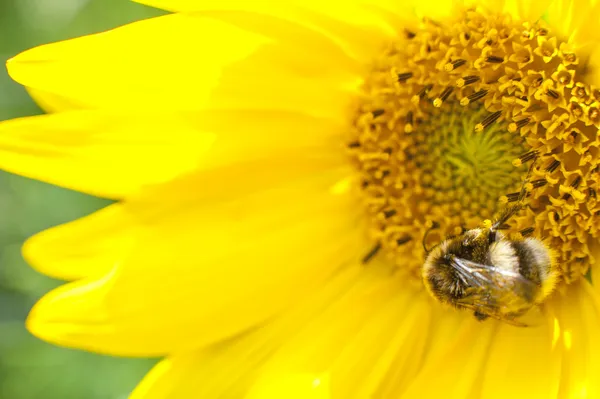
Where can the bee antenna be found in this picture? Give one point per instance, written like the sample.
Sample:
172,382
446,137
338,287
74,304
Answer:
434,225
510,211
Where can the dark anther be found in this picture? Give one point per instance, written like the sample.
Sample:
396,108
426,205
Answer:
389,213
385,173
423,92
446,93
553,94
494,59
364,184
576,182
566,197
573,134
378,112
512,197
542,32
458,63
403,240
409,34
553,166
528,156
403,77
539,183
592,193
409,118
488,120
504,226
388,150
522,123
354,144
467,80
556,217
477,96
526,232
371,254
538,82
466,36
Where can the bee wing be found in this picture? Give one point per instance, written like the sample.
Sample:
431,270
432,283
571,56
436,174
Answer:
490,288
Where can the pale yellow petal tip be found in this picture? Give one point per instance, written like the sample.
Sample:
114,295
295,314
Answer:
38,252
45,321
11,63
40,327
33,251
292,386
70,315
24,59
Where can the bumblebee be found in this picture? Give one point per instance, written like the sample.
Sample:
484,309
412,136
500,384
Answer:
489,273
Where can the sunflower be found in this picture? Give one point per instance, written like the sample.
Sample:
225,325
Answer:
279,171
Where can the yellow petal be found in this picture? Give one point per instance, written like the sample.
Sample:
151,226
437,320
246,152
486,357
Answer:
265,250
101,153
578,23
360,27
358,342
455,370
287,87
93,151
169,61
593,66
522,360
490,5
575,21
437,10
177,71
432,336
50,102
345,341
86,247
578,328
229,369
527,11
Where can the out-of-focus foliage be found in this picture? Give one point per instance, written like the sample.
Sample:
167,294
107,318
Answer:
29,368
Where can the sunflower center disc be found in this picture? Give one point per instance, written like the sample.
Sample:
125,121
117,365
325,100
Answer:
451,116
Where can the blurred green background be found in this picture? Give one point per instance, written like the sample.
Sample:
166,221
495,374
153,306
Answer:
29,368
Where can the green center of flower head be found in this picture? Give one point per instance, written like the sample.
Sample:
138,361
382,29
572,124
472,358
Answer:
452,118
461,168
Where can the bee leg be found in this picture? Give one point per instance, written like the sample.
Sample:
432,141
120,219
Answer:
480,316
